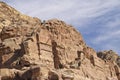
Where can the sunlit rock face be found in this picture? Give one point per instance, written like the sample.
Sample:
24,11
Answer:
31,49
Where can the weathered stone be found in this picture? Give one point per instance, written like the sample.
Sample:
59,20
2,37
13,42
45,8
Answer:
75,64
68,75
109,55
31,74
118,61
52,76
7,74
49,50
8,32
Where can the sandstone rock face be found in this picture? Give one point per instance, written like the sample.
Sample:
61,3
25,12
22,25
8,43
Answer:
31,49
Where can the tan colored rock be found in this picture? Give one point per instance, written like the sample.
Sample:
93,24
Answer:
7,74
33,73
118,61
49,50
68,75
53,75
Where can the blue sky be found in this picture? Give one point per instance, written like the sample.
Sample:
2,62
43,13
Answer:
97,20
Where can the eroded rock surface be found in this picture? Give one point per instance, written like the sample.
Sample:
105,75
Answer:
31,49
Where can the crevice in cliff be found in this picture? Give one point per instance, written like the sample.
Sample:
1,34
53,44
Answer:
56,58
92,60
38,44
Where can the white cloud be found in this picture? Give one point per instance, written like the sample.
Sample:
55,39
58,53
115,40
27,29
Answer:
114,24
107,36
67,10
110,30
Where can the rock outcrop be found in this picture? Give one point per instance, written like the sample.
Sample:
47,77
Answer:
31,49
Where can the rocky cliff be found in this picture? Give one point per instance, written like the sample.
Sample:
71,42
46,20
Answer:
31,49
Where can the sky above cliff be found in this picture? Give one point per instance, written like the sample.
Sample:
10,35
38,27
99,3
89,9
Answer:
97,20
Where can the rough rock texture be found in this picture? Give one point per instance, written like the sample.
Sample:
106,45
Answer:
31,49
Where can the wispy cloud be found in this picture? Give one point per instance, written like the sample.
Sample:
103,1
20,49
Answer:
67,10
107,36
109,31
109,28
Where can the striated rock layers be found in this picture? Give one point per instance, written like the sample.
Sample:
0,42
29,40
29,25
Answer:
31,49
